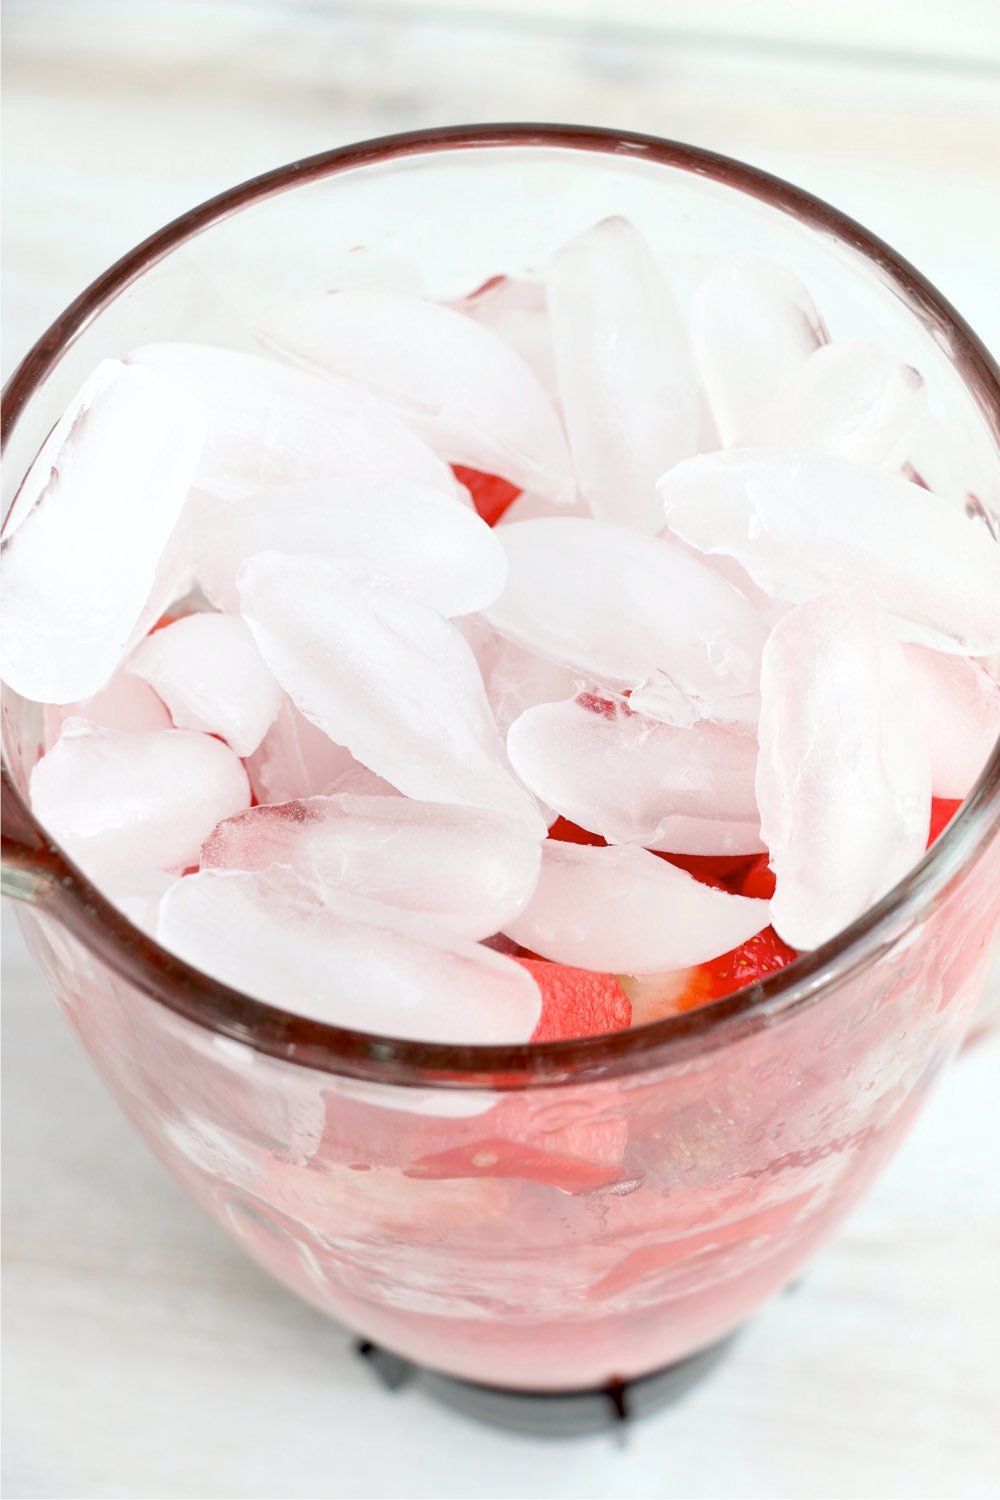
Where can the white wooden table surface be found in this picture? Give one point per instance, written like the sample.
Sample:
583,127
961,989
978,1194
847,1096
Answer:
143,1356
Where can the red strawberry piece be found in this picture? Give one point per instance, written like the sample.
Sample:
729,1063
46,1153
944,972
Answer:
763,954
491,495
656,996
758,879
726,870
577,1002
163,622
496,1157
942,812
571,833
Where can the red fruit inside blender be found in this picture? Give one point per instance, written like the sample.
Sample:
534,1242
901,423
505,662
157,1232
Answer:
491,495
664,656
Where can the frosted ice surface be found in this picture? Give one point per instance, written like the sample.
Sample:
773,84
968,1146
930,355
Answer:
137,893
271,425
383,675
624,910
802,523
851,399
660,697
125,703
425,542
516,679
98,509
297,759
208,671
960,702
843,778
635,781
627,384
174,577
453,380
529,506
464,869
753,324
136,801
346,961
617,606
516,310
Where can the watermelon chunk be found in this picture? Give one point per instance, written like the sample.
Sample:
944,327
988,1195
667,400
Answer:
577,1002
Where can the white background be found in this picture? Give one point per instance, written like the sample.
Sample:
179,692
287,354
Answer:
143,1355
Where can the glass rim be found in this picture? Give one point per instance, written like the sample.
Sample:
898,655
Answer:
40,869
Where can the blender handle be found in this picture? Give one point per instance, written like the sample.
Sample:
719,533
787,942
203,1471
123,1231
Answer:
30,868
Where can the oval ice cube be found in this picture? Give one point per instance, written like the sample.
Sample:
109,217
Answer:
516,679
466,869
617,606
383,675
851,399
346,961
99,506
423,541
802,523
627,384
125,702
843,777
960,703
137,893
635,781
297,759
753,324
208,671
146,801
623,910
271,425
515,309
469,395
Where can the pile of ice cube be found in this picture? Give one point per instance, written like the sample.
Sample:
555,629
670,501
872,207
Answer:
717,619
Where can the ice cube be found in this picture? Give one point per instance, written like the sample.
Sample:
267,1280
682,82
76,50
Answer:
960,703
417,538
623,910
97,510
851,399
208,671
297,759
627,384
346,961
270,425
174,578
617,606
384,675
515,309
467,870
146,801
137,893
688,791
753,324
125,703
843,777
530,505
516,679
467,393
802,523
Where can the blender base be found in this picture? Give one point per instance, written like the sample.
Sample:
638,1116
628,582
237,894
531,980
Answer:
607,1408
